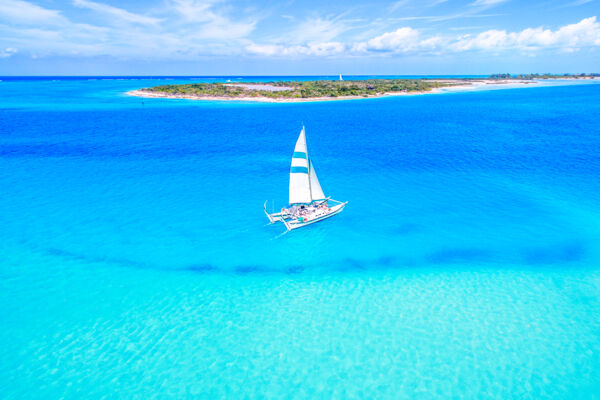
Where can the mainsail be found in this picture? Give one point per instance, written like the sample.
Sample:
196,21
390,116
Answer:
304,185
299,181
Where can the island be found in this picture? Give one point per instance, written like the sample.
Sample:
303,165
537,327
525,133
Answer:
323,90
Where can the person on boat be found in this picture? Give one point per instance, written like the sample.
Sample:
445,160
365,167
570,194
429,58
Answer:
323,205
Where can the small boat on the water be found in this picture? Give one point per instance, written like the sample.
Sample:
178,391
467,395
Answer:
308,203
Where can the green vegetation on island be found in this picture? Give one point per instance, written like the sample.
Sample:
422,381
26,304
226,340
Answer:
330,89
543,76
300,89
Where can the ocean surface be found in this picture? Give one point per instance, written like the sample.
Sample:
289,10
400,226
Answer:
136,261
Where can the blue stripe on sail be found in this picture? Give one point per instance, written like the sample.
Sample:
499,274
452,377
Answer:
299,170
299,154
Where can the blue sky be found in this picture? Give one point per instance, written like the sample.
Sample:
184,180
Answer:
241,37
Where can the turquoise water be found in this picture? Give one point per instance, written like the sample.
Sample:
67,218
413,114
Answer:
135,260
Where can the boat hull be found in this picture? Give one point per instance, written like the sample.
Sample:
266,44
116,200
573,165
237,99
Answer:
295,224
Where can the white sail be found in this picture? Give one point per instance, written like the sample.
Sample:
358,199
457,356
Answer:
299,178
316,193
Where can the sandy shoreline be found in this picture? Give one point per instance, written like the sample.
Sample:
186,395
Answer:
458,86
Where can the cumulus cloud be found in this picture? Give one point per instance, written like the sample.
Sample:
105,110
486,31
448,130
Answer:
8,52
310,49
569,37
186,29
406,40
402,39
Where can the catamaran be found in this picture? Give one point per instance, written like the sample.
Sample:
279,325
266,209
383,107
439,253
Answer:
308,203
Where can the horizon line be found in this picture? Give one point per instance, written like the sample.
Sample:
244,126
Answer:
283,75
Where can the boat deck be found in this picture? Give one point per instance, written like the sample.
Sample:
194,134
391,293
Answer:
299,216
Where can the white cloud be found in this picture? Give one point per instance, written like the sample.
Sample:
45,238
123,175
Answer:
487,3
194,10
265,49
401,39
447,17
8,52
206,30
221,31
119,13
188,29
207,23
579,2
311,37
584,33
23,12
569,37
311,49
317,29
325,49
398,4
406,40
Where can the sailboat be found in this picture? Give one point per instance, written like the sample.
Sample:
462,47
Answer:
307,201
341,79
